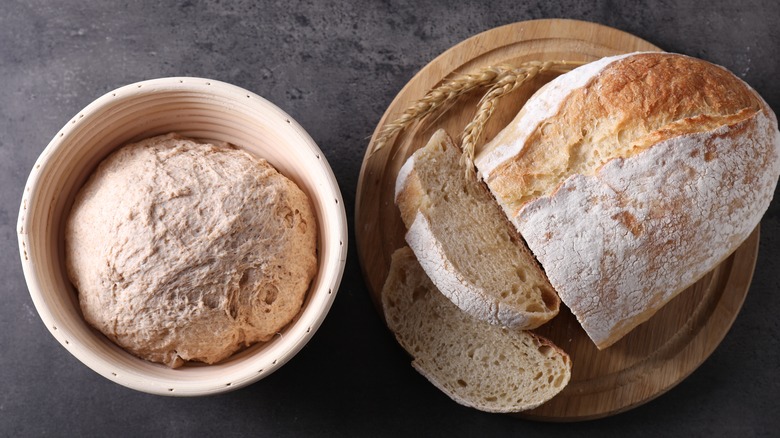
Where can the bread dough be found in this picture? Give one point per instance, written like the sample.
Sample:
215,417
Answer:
185,251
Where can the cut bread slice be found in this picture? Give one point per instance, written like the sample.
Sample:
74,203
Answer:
465,243
477,364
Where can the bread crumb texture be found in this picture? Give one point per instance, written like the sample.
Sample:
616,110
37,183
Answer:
188,251
465,243
484,366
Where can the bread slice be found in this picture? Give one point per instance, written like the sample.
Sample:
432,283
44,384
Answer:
631,177
477,364
465,243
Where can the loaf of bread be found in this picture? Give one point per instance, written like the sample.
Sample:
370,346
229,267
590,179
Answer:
187,251
477,364
465,243
631,177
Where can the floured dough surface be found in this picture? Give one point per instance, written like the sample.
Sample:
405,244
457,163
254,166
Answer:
189,251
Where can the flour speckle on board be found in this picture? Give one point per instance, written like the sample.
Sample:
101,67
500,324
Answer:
745,61
29,314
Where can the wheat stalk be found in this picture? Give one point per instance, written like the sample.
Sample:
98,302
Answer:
509,82
448,92
502,80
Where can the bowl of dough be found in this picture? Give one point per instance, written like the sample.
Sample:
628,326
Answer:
182,236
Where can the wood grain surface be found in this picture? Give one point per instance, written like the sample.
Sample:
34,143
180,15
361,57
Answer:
651,359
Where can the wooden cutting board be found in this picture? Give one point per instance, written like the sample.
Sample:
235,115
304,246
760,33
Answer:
651,359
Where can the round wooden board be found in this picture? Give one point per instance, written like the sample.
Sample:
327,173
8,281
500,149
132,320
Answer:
651,359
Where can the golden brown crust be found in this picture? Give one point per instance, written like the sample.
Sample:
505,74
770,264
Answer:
634,103
636,182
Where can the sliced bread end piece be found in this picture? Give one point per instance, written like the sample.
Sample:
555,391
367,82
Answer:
479,365
465,243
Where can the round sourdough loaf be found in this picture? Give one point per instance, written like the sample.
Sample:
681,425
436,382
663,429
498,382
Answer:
183,250
631,177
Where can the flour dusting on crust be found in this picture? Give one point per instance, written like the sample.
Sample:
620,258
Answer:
617,245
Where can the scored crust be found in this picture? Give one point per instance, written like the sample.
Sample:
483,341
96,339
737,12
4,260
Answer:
640,182
184,251
546,102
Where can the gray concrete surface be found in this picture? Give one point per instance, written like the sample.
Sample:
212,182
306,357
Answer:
335,66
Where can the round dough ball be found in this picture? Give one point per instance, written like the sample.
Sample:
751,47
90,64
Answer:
189,251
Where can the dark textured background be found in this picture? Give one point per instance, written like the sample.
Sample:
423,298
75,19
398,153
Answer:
335,67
